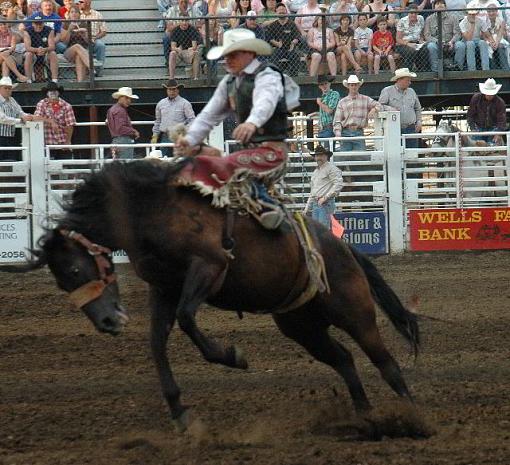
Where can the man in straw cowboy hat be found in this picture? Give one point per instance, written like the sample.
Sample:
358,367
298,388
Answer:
171,111
119,123
403,98
10,115
255,92
487,112
325,184
352,113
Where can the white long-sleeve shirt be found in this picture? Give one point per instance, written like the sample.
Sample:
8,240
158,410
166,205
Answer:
10,115
326,181
268,90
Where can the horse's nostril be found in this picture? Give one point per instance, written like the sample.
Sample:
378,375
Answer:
107,323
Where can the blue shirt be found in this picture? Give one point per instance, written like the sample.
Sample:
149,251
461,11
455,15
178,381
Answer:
55,25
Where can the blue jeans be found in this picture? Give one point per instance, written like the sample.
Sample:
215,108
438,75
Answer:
355,145
410,143
324,133
124,153
322,213
471,46
488,139
100,50
460,53
166,151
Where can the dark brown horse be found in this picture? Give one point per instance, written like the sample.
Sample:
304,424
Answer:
173,238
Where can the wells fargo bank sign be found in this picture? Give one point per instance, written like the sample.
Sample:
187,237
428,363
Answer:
460,229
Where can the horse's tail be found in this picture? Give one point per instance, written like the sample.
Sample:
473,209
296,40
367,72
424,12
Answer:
405,322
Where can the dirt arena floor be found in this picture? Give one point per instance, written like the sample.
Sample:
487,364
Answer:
69,395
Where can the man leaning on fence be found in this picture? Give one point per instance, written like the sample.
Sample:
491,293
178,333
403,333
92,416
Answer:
403,98
170,112
119,123
10,115
325,184
487,112
352,113
55,109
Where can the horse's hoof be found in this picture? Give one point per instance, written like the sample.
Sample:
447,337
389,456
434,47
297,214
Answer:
240,361
182,422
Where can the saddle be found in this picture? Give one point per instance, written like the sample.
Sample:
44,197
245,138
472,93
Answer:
228,179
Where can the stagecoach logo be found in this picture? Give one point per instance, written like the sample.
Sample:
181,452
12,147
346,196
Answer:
13,240
366,231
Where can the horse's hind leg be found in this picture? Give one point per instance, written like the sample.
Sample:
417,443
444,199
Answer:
308,329
200,279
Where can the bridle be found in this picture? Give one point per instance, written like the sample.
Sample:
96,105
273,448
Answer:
93,289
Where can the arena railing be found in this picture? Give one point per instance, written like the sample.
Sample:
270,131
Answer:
135,49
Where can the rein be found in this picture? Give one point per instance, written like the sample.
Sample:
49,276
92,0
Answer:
93,289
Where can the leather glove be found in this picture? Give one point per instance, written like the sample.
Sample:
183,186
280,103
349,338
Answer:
154,139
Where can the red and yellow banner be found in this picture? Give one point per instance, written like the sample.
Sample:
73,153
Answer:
460,229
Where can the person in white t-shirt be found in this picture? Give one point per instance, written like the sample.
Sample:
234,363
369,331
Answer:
474,32
363,42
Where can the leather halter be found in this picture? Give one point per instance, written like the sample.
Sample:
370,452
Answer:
93,289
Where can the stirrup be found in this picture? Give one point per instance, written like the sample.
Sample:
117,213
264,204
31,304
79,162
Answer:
271,216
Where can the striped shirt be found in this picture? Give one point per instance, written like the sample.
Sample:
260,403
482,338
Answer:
352,112
170,112
10,115
329,98
62,113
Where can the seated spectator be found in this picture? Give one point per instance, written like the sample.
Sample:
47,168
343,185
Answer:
363,42
342,8
251,24
450,33
314,40
75,36
163,6
457,5
182,8
498,45
268,14
295,5
51,19
344,36
62,11
215,39
98,30
9,58
223,9
397,6
481,7
33,6
410,41
382,45
375,10
241,8
18,12
284,36
474,30
40,48
184,46
305,23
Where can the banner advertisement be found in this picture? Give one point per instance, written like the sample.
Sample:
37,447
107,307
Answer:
460,229
14,240
366,231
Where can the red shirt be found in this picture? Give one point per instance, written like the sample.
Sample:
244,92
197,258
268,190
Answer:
382,40
119,122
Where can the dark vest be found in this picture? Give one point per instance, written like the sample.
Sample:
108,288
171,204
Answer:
241,100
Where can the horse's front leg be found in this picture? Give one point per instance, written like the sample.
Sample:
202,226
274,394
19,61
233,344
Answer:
163,311
201,279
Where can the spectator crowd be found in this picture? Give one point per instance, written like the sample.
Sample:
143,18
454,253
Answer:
307,37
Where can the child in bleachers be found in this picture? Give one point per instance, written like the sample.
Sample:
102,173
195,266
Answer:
363,42
382,44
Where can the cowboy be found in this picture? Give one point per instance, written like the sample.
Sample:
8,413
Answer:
327,105
325,184
10,115
352,114
119,123
170,112
403,98
54,108
487,112
255,92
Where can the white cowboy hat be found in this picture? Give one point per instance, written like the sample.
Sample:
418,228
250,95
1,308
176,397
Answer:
124,92
7,81
352,79
489,87
402,73
155,154
239,39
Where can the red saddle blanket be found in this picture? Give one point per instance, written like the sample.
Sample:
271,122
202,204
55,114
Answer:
216,172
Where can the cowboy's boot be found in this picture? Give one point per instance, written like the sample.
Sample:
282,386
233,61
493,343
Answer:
272,215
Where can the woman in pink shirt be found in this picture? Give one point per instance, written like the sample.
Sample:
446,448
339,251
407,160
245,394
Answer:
305,23
314,39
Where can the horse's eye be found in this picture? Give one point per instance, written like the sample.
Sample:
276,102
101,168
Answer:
75,271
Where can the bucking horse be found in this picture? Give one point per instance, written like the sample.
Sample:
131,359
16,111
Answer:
190,253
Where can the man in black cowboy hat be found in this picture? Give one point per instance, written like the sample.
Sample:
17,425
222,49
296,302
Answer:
171,111
325,184
58,117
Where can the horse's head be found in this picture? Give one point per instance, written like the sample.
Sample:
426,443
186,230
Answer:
444,126
85,271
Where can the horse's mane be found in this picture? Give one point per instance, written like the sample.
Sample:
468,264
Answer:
87,209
